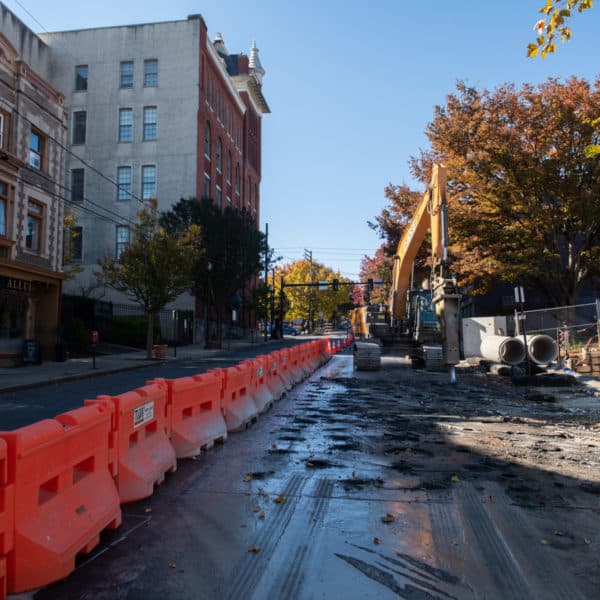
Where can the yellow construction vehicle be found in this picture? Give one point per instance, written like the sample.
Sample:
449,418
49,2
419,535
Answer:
409,316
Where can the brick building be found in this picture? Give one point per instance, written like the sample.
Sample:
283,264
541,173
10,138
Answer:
33,126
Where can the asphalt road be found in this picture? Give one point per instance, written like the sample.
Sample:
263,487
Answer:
371,485
23,407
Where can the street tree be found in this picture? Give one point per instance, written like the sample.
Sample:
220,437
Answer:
233,254
155,268
524,197
379,268
302,299
555,25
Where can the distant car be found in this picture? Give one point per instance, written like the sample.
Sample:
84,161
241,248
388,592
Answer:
287,330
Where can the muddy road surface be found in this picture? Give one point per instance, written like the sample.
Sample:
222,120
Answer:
391,484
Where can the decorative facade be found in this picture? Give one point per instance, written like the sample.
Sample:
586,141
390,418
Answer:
33,134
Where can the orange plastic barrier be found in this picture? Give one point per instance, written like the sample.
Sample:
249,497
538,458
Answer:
261,393
285,368
295,365
141,451
194,408
7,526
64,495
274,380
304,359
315,354
325,350
237,404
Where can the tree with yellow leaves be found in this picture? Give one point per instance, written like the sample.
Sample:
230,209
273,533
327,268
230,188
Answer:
155,268
555,25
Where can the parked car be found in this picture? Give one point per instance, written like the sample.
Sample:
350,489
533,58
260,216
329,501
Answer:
287,330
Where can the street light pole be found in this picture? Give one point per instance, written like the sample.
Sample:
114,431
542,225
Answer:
266,273
308,256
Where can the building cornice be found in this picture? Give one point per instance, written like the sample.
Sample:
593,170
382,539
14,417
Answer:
245,83
220,64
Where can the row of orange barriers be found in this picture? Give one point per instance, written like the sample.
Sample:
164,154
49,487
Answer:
63,480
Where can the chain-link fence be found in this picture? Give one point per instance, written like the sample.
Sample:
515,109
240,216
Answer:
572,327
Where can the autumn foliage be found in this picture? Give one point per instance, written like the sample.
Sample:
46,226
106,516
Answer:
524,198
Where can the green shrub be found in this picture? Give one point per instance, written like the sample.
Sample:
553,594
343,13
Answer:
126,330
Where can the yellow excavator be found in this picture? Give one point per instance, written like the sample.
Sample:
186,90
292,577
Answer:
427,319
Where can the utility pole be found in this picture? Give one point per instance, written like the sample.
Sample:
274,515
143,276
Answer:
281,311
308,257
266,272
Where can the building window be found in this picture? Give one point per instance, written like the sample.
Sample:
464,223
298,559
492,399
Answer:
123,183
122,240
218,196
37,143
228,201
73,244
209,94
3,207
77,185
150,73
206,185
207,140
228,168
125,125
237,179
148,182
35,220
219,155
79,126
81,78
126,73
4,120
150,120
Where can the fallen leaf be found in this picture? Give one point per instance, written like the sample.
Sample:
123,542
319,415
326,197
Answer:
254,549
248,477
261,515
455,479
376,541
545,542
256,508
274,446
559,533
280,499
172,565
389,518
378,483
587,541
147,510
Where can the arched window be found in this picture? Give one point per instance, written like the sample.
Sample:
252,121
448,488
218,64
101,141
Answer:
219,155
207,140
228,168
237,179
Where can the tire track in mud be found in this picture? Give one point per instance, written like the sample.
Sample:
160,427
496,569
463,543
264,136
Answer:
249,570
290,586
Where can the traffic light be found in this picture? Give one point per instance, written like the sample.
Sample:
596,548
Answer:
370,284
335,284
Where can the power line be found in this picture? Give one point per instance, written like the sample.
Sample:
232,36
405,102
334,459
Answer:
75,203
68,151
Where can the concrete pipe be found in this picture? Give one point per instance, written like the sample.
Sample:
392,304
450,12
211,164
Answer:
542,349
507,350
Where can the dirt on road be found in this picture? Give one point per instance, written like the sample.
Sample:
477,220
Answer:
375,485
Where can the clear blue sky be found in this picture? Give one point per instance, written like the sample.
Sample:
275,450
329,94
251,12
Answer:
351,86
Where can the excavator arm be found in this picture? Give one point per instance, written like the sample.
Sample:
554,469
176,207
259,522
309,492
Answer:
431,213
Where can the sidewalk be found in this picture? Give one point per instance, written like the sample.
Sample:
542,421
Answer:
31,376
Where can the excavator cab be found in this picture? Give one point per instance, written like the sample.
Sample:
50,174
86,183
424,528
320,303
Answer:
423,324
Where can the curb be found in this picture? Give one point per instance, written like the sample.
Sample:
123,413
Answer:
75,377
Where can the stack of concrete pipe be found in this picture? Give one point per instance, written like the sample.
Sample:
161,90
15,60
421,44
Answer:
541,349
